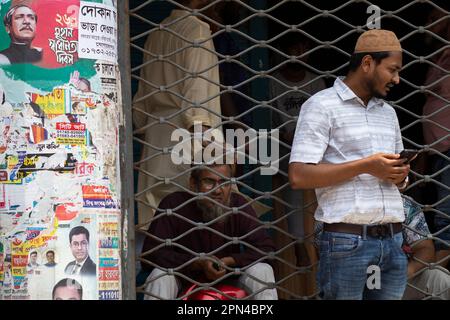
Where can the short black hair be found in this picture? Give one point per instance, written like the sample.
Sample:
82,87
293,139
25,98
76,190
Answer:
7,19
33,252
50,251
78,230
68,282
356,58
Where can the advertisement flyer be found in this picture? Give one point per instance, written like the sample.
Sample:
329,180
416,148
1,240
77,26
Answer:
59,177
98,31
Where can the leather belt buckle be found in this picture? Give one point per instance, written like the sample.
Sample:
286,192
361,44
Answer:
380,231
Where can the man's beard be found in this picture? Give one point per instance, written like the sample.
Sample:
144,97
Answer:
211,211
373,91
379,95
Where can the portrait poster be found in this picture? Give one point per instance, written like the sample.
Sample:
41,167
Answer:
60,230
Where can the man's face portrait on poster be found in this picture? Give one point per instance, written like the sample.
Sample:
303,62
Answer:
21,24
79,246
67,289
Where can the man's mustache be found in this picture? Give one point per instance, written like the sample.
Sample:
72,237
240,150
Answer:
26,28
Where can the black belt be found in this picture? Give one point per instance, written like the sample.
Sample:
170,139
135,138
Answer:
379,230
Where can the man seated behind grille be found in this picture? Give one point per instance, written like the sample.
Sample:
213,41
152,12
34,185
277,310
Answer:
420,250
178,220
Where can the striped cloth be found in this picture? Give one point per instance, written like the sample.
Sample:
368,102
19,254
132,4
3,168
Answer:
334,126
415,225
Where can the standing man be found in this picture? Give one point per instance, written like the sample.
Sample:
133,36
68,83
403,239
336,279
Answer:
288,104
20,23
79,244
179,84
436,126
346,146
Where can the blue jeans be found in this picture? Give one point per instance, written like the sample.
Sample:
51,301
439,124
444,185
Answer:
440,221
344,266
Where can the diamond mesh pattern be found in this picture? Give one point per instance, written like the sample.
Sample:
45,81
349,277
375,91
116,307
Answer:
257,30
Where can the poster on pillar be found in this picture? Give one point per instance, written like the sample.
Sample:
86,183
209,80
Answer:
60,111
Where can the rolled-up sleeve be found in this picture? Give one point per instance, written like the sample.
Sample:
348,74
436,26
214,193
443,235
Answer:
312,133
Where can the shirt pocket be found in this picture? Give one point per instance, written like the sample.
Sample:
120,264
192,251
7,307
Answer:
351,135
383,135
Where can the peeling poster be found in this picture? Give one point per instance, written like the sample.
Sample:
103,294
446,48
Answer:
60,217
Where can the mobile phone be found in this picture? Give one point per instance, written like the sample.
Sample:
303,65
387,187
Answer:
409,155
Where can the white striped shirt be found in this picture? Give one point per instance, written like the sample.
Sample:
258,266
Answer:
335,126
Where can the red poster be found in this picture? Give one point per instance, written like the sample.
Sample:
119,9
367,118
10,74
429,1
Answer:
109,274
56,31
70,126
96,192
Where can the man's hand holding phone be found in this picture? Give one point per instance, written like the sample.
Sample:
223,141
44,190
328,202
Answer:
409,155
388,167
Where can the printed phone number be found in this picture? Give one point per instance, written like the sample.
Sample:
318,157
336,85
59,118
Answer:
109,295
98,51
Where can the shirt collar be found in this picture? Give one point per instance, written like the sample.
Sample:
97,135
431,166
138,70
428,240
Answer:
81,263
345,93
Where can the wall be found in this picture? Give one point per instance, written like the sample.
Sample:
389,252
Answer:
59,123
